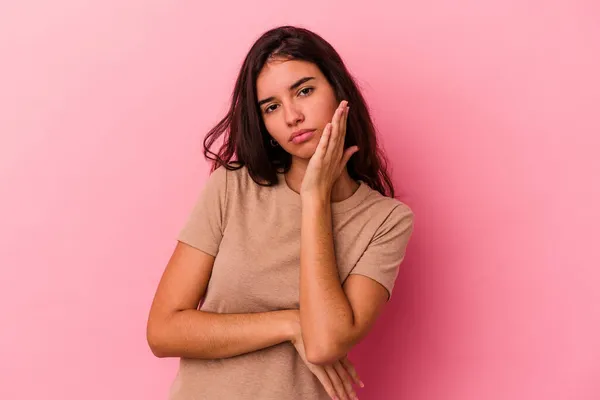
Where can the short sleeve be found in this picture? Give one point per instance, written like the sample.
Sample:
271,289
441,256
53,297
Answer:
382,258
205,223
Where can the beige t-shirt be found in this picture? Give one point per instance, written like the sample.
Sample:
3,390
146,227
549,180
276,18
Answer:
254,232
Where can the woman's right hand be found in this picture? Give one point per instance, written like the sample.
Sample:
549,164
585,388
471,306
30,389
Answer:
336,378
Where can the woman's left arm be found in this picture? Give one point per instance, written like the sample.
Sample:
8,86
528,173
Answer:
333,317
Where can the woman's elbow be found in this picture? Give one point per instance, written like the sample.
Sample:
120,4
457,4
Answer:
324,354
155,336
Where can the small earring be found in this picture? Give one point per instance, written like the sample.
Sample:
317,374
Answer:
274,143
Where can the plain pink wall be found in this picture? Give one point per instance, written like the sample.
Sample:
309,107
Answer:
489,112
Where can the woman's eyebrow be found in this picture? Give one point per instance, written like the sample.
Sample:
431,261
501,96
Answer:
294,86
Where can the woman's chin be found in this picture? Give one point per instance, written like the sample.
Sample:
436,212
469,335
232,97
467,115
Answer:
306,151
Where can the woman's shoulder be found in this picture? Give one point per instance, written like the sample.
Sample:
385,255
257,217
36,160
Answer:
386,204
238,176
388,213
230,174
238,181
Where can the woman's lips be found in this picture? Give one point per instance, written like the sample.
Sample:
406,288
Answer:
303,137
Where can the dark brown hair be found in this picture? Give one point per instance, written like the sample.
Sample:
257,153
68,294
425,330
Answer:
248,139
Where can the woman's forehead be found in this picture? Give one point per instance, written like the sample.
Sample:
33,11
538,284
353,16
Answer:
278,75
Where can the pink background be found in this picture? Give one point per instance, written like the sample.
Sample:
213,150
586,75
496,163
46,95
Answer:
488,110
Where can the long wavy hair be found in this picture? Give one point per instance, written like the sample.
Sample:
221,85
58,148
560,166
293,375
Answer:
246,137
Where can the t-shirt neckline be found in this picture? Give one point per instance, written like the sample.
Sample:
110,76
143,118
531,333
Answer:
337,207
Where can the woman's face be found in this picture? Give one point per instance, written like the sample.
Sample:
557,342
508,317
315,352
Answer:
294,95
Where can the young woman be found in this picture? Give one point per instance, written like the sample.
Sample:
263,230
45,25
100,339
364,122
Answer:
294,245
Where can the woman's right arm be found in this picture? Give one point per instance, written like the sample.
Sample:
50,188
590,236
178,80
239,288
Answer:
176,328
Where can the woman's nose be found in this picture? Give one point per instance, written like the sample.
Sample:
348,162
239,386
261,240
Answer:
293,115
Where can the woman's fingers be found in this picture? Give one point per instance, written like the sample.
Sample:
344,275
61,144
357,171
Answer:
323,377
335,133
337,382
346,380
333,378
347,154
351,370
341,140
324,141
344,124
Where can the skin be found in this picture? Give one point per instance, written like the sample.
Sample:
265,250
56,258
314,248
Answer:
333,318
309,106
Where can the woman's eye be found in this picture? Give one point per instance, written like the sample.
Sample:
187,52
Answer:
303,92
269,109
309,89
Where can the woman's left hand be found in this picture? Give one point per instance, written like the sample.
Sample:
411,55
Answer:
337,378
330,159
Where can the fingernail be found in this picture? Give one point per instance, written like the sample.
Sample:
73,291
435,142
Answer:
362,384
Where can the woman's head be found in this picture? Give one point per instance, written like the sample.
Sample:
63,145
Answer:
292,79
294,95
